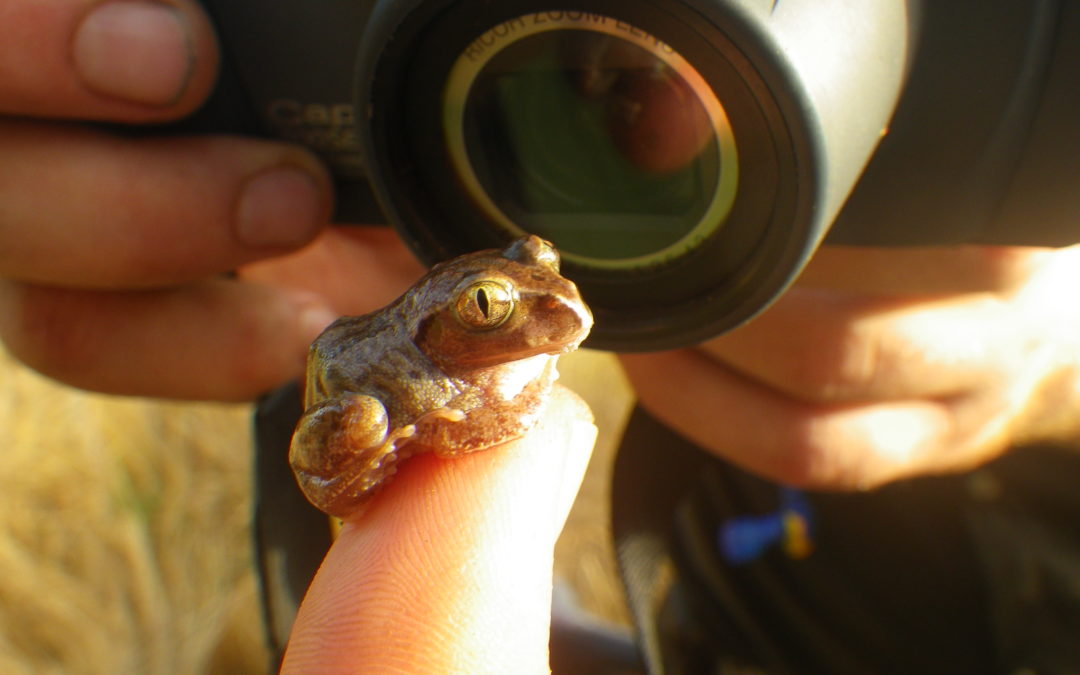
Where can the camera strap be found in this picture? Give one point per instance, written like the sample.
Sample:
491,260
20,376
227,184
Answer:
291,535
967,573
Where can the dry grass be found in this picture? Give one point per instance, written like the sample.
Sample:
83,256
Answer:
124,528
124,537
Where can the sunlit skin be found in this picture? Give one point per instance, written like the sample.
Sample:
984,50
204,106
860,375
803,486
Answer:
115,253
852,379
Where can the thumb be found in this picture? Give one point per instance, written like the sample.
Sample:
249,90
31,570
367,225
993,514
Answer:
449,570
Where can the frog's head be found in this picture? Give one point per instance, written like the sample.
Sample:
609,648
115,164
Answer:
493,307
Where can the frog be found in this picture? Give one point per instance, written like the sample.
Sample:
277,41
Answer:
463,361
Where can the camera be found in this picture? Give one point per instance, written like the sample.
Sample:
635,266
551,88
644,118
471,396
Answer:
687,157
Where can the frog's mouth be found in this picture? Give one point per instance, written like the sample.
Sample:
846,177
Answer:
556,324
512,382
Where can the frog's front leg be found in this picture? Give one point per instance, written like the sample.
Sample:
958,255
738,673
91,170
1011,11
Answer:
342,451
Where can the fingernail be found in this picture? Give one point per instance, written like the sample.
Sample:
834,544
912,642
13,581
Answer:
280,208
138,51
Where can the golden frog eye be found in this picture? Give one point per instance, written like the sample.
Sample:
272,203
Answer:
484,304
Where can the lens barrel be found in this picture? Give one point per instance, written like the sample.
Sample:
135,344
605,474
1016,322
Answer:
686,158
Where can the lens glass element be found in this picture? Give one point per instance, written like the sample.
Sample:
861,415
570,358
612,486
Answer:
592,133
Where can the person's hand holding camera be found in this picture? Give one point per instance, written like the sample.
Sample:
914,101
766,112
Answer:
885,363
115,248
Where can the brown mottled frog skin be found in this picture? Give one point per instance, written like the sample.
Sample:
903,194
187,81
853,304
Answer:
463,361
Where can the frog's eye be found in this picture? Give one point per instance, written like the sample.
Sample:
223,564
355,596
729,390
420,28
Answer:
484,304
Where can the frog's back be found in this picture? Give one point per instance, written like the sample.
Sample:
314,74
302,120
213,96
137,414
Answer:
374,355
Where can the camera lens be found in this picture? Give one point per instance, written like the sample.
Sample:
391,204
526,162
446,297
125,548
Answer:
636,138
685,157
592,133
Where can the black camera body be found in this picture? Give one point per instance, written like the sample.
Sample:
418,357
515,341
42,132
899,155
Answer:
687,157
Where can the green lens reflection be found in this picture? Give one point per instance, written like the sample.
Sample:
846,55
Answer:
593,134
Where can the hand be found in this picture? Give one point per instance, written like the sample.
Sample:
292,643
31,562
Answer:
885,363
114,249
449,570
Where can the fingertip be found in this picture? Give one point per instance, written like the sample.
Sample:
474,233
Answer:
159,59
283,207
158,210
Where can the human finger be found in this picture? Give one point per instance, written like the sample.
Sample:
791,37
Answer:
84,208
218,339
653,115
920,271
119,60
449,570
793,442
356,269
828,347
